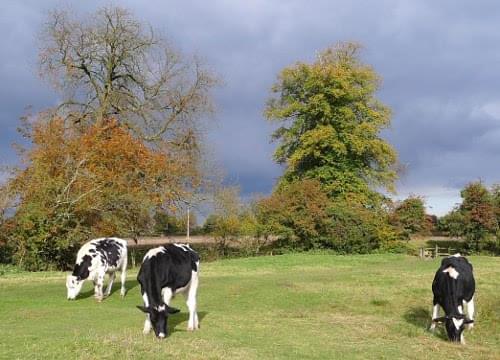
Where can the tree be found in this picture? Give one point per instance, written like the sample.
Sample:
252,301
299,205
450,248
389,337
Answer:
226,217
297,213
453,223
409,216
479,214
109,65
356,228
331,123
75,185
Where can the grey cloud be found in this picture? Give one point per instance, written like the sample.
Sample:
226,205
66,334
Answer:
439,62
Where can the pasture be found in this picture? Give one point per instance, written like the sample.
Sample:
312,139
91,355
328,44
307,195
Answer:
290,306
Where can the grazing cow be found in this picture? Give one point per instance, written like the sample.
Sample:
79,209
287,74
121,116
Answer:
166,271
453,288
95,259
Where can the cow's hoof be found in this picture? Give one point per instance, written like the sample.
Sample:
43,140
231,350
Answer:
190,328
98,299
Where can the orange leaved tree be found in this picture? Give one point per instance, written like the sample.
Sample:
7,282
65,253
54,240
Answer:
74,185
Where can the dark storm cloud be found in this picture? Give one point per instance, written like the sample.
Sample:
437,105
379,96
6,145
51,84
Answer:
439,62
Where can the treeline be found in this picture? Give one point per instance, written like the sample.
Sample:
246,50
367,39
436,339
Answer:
123,155
476,219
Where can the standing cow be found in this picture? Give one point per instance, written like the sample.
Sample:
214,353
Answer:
453,288
95,259
166,271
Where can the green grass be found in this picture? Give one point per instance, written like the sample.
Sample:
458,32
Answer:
291,306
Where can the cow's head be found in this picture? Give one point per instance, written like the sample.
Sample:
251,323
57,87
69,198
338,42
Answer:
74,285
455,325
158,317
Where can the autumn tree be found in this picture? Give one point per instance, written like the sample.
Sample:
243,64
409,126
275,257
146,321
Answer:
73,186
479,214
330,124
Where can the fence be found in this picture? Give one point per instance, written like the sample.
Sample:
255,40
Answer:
436,251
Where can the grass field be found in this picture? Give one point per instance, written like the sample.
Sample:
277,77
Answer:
291,306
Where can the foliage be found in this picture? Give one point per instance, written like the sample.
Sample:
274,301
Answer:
479,214
331,123
410,218
168,223
224,223
356,228
74,186
297,213
476,219
452,224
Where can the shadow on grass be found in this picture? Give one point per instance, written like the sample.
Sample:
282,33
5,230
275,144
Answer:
421,317
176,319
129,285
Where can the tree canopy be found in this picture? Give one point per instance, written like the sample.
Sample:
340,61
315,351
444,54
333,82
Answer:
110,65
77,185
330,123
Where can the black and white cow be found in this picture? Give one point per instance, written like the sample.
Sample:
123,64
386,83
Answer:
165,272
453,288
95,259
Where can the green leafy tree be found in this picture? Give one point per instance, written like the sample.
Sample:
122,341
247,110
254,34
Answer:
297,213
331,123
409,216
452,224
356,228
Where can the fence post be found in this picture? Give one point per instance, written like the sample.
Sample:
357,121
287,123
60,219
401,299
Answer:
421,252
436,251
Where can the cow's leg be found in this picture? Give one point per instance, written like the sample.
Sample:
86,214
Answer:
99,283
435,315
123,277
191,303
167,295
110,285
470,312
147,322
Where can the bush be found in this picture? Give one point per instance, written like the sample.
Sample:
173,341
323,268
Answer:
355,228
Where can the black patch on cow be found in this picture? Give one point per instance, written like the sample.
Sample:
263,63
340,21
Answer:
81,270
109,250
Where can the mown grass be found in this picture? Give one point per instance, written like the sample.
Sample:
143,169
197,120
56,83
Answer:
282,307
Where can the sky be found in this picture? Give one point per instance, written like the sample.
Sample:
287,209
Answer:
439,61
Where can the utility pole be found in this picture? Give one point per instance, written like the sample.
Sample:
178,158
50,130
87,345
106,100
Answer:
187,225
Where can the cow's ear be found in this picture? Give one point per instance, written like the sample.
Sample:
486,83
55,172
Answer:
439,320
172,310
468,321
143,309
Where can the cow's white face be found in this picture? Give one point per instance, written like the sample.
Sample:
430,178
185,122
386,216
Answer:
74,286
